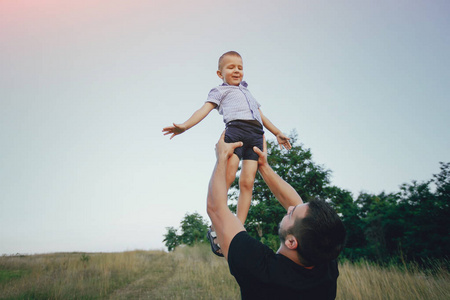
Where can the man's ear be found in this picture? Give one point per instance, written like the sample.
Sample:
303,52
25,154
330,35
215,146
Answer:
291,242
219,73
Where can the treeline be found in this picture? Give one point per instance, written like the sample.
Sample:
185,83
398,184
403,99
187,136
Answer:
412,224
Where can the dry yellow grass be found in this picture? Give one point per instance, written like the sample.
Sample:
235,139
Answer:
199,275
187,273
67,275
369,281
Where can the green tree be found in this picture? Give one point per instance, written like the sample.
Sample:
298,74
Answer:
171,239
442,211
349,212
375,215
425,211
193,230
412,224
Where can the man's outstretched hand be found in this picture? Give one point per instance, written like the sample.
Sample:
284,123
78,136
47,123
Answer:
225,150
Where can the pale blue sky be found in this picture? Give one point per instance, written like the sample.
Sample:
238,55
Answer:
86,87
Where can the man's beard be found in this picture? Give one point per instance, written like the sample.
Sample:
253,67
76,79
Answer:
282,233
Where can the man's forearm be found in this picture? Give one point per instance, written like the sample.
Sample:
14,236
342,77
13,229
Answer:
225,223
217,189
282,190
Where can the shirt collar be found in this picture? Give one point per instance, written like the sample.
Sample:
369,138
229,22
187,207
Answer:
243,83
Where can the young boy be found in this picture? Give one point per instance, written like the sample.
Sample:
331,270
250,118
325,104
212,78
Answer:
244,122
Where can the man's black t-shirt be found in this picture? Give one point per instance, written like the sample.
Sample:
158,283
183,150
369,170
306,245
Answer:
263,274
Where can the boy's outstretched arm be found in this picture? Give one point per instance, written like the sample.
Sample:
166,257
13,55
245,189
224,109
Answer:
282,139
283,191
196,117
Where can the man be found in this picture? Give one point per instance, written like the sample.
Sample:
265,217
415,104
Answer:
311,234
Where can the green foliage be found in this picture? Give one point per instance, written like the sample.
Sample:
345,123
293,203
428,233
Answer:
193,230
85,258
171,239
412,224
271,240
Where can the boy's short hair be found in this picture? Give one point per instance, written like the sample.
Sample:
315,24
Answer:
233,53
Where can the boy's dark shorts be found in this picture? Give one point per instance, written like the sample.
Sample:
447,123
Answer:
248,132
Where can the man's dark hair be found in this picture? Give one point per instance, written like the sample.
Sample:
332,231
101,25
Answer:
232,53
320,234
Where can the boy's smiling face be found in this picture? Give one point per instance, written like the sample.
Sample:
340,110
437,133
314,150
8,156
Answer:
231,70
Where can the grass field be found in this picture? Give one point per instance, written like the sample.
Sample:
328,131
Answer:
187,273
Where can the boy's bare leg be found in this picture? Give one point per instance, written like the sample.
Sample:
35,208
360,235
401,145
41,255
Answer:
246,182
232,167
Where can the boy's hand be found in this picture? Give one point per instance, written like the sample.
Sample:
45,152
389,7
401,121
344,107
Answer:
283,141
176,129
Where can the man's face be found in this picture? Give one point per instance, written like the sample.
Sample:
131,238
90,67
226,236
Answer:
231,70
292,214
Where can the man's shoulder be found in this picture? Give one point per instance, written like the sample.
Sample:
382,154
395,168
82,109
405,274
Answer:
243,237
244,243
248,256
240,238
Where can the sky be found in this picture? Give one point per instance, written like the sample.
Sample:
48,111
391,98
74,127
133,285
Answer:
87,86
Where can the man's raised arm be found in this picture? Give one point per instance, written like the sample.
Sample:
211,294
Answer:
282,190
225,223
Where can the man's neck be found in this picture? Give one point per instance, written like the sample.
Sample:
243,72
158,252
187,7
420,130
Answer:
292,255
